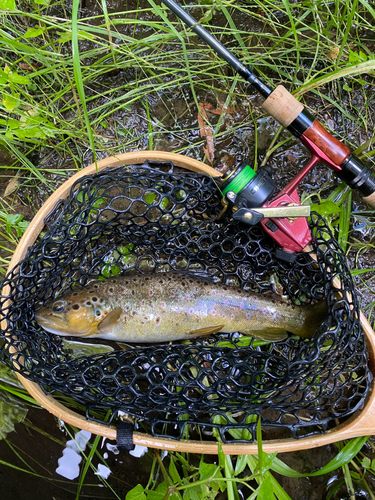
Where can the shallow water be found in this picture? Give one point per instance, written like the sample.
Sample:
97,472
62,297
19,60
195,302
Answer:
57,460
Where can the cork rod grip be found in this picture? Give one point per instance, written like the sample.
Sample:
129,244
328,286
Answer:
282,106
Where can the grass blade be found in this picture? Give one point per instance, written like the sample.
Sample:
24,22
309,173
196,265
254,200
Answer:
344,223
78,74
350,450
357,69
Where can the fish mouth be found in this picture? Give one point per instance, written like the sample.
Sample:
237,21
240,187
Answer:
55,324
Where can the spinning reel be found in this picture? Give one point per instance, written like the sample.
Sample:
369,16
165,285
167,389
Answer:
250,196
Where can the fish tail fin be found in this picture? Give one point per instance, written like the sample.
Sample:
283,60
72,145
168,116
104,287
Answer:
315,315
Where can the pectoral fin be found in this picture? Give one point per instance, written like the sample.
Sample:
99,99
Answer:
205,331
110,321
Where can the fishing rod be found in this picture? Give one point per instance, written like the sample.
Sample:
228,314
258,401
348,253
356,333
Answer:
248,189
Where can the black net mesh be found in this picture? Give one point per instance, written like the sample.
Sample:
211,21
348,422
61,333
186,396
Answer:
141,219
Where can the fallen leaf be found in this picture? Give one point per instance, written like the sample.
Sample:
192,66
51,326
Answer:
12,186
219,110
113,72
28,67
206,131
333,53
227,162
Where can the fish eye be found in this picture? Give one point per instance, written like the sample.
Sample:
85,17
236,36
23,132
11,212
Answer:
58,307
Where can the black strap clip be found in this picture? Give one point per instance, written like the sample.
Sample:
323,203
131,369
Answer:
124,435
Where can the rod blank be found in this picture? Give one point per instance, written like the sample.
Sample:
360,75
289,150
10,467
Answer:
218,47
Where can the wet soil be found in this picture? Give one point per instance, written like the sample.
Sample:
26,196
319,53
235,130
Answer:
175,111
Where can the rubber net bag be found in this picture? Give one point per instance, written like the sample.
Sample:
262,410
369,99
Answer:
148,218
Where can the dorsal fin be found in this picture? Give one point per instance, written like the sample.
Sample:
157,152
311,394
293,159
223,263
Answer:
197,273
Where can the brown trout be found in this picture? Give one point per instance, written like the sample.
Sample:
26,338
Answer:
171,306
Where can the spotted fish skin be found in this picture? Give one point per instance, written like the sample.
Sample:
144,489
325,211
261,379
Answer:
170,306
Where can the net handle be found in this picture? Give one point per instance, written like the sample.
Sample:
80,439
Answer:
362,423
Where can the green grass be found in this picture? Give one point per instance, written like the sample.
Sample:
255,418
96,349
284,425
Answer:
77,87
